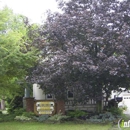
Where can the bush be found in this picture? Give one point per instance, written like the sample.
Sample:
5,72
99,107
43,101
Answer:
22,115
41,118
19,111
7,117
18,114
102,118
22,118
28,114
76,113
0,112
58,118
116,111
12,104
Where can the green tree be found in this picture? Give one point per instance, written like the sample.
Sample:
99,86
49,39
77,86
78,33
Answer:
17,55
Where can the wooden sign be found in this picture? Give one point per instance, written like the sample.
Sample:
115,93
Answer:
44,107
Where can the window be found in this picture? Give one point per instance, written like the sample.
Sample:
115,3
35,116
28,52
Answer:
70,94
49,96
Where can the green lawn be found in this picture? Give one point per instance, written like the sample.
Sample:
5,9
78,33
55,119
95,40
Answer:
64,126
41,126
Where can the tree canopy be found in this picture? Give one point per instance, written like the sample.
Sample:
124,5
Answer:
17,55
85,49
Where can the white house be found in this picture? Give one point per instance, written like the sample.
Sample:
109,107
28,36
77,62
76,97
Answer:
125,94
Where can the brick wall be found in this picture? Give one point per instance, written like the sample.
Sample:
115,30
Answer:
60,107
29,103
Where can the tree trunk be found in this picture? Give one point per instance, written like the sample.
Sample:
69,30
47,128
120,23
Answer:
2,104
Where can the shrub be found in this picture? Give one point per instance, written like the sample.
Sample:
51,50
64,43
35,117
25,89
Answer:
7,117
76,113
28,114
22,118
22,115
0,112
116,111
124,108
41,118
19,111
102,118
15,103
58,118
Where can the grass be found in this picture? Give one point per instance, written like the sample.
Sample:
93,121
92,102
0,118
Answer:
42,126
63,126
7,123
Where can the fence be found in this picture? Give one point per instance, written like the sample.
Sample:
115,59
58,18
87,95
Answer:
89,105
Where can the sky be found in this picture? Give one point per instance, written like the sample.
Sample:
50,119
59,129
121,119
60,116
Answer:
34,9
